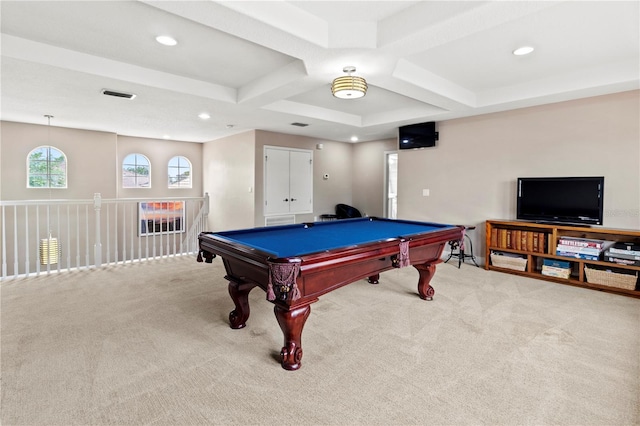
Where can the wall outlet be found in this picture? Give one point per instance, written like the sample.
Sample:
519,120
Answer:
425,192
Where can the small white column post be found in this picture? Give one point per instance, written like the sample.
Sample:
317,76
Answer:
97,248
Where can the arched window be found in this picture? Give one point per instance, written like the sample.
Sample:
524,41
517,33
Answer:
47,168
179,172
136,171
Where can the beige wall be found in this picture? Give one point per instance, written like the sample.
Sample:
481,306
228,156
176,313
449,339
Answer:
369,176
94,163
159,152
229,171
471,173
91,158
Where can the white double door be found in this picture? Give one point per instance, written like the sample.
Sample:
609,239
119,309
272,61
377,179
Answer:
288,177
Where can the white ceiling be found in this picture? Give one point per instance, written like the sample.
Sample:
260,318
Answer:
267,64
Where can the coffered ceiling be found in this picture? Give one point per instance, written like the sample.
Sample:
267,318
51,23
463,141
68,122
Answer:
267,64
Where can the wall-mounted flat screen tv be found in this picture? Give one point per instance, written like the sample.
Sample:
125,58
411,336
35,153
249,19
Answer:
421,135
572,200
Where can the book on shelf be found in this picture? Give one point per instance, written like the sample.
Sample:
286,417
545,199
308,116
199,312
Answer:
577,255
556,263
622,260
608,252
615,250
542,238
502,239
616,253
517,239
627,245
584,242
574,249
552,271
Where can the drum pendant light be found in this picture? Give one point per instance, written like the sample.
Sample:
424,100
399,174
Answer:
349,86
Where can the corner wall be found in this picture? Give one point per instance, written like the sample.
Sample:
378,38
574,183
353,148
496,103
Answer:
228,176
369,176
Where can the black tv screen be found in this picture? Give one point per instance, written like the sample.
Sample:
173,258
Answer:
420,135
575,200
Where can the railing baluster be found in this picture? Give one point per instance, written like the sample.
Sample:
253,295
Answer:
68,239
59,235
97,245
87,259
4,244
153,238
124,234
78,236
27,267
166,221
15,241
108,237
37,236
146,239
161,228
136,230
48,232
115,234
133,225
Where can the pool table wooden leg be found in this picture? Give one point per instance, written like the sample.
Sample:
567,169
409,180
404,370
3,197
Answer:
426,273
291,323
239,292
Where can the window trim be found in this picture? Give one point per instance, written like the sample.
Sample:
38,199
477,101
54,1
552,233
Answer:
179,168
48,175
135,175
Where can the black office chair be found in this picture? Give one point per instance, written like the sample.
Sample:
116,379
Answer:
344,211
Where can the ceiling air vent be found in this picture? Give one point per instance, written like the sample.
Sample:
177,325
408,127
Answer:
118,94
299,124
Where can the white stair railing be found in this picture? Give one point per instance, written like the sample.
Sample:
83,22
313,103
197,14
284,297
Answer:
96,233
198,224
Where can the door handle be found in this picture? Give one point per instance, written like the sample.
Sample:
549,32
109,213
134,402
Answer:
294,199
285,200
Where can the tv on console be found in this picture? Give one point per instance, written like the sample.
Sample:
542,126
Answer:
421,135
571,200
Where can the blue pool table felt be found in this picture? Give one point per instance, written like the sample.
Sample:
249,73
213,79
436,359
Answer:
297,240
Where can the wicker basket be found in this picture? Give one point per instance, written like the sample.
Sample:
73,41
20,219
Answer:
611,279
509,262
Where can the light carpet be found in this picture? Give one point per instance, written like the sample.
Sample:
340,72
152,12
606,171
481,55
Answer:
150,344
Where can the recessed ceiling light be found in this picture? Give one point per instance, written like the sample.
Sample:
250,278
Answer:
166,40
204,116
524,50
354,139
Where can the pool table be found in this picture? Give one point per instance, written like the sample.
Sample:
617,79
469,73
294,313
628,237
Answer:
296,264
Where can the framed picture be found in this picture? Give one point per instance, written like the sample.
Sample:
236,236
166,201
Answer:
160,217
